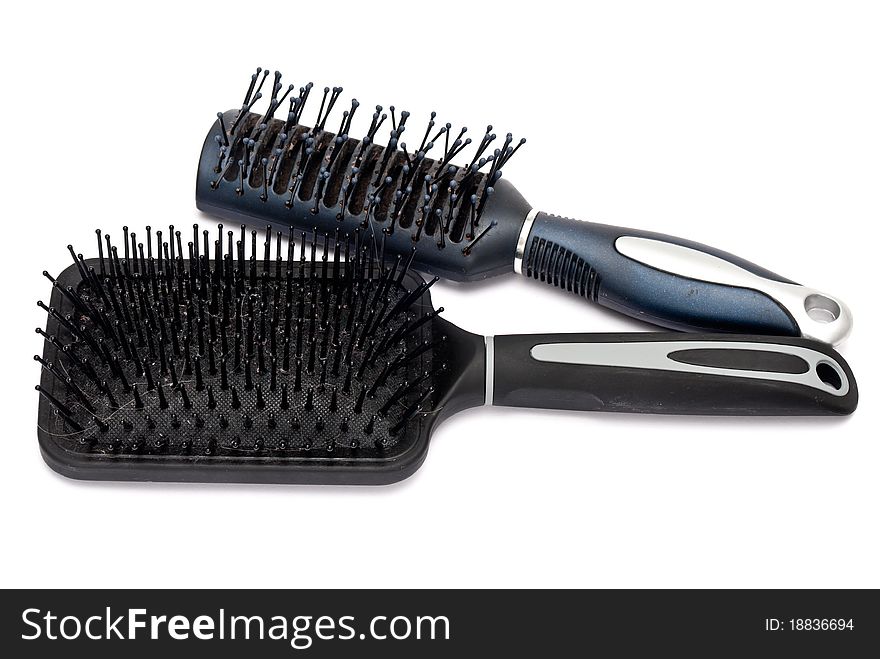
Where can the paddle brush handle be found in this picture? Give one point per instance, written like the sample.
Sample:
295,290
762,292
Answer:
669,374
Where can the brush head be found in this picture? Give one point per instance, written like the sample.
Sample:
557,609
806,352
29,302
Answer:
281,366
442,190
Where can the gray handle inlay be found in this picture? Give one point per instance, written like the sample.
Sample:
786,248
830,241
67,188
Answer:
490,369
654,355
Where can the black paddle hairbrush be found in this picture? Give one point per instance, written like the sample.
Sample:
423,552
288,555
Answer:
262,368
471,224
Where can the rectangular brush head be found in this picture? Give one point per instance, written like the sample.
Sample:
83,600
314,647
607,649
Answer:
233,369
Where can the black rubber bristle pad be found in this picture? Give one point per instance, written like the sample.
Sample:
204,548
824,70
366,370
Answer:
323,357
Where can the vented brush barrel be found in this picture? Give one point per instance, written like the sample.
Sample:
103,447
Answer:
300,187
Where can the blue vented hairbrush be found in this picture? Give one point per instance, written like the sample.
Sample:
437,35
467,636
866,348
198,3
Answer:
258,166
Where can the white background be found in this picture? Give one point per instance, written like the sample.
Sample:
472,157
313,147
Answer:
752,126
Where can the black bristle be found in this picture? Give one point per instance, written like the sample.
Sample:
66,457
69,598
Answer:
328,341
138,402
163,401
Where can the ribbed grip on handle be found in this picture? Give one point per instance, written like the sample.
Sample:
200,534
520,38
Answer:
673,282
667,373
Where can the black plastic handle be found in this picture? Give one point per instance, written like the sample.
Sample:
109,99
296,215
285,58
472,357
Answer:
667,373
673,282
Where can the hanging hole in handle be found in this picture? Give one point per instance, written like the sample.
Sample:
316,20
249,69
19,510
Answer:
821,308
829,375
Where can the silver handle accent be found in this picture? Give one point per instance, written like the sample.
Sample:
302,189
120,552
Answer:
522,240
490,369
654,355
818,315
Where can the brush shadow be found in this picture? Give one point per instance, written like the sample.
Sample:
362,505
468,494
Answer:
532,288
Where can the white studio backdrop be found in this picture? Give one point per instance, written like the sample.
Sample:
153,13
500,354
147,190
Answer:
750,126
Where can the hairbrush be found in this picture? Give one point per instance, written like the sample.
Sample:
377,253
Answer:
301,368
471,224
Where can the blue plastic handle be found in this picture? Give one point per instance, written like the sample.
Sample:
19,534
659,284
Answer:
673,282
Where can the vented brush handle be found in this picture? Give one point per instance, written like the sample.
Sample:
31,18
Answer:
673,282
666,373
